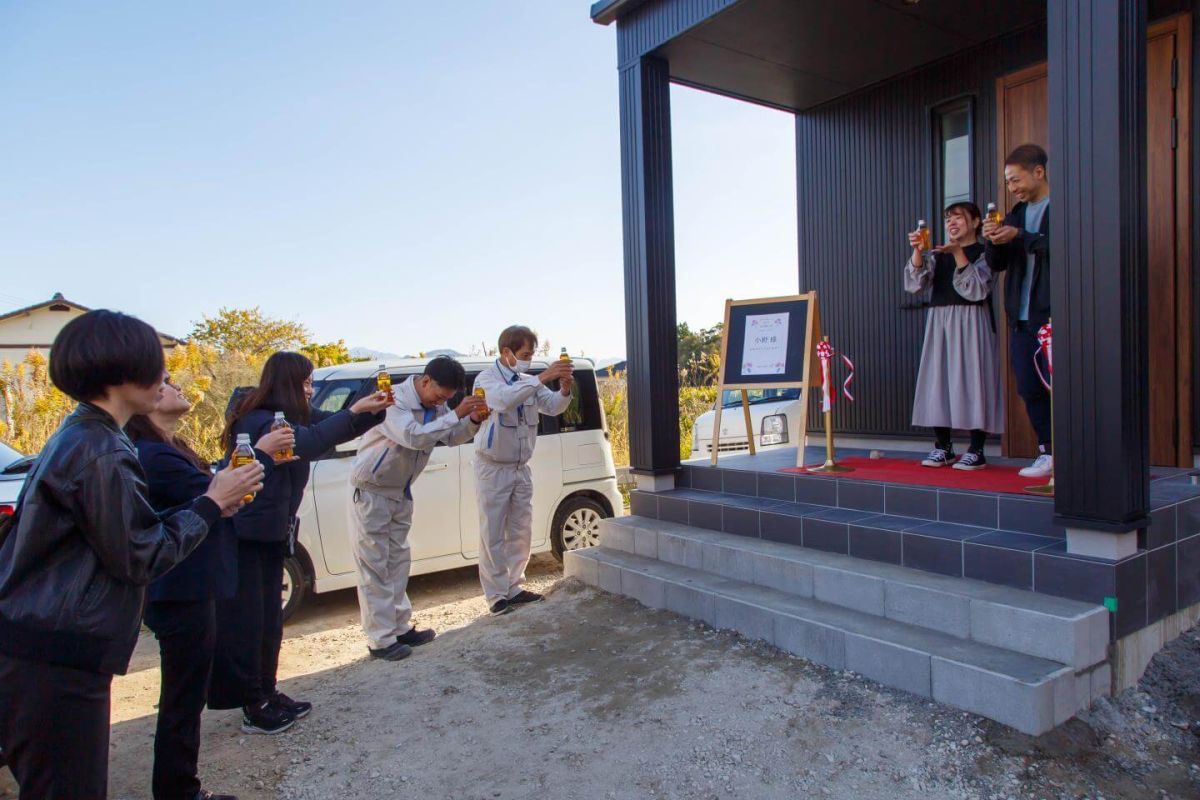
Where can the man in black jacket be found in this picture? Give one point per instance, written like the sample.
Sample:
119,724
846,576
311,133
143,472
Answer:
75,563
1020,246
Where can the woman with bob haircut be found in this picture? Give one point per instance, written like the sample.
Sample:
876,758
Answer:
77,555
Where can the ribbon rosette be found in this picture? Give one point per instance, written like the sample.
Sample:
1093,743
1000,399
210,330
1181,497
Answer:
1045,339
825,353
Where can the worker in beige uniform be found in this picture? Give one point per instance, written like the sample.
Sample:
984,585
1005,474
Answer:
390,458
503,447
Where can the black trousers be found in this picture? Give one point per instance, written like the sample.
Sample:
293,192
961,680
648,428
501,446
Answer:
978,438
250,629
1022,344
187,635
54,729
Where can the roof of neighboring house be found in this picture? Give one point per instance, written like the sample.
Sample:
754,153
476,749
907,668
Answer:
59,300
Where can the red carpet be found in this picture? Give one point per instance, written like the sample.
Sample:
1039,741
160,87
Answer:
896,470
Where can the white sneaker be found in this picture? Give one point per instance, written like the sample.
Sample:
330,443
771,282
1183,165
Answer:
1042,468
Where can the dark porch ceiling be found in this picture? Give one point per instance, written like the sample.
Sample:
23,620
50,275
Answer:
797,54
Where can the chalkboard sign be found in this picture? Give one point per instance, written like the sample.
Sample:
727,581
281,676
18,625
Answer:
768,344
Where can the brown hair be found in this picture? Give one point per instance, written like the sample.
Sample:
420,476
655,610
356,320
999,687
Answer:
514,337
281,388
1027,156
141,429
967,208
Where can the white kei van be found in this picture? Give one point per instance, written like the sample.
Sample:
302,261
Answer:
575,485
774,421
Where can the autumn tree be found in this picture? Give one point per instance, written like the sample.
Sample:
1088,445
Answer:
33,407
326,355
249,331
699,355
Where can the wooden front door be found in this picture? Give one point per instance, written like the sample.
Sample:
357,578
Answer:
1021,99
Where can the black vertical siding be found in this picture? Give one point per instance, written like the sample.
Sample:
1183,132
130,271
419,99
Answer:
649,238
863,178
1098,279
651,25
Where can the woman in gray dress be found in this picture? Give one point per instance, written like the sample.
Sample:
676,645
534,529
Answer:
958,386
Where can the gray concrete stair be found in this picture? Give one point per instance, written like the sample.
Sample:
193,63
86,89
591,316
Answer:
1030,661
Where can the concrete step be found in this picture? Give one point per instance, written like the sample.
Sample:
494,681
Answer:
1065,631
1028,693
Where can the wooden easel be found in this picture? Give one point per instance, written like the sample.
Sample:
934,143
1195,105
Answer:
812,331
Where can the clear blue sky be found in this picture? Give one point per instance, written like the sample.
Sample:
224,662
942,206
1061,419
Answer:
400,175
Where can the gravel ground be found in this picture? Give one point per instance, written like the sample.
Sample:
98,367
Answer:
592,696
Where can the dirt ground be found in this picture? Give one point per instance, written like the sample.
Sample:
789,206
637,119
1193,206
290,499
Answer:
592,696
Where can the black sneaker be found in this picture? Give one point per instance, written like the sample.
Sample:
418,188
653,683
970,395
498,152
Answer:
416,638
297,708
266,718
205,794
524,596
939,457
398,651
971,460
500,607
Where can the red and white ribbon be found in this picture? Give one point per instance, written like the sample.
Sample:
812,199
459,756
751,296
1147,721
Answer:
1045,338
826,353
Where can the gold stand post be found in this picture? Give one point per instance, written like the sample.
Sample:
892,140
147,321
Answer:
830,464
1047,489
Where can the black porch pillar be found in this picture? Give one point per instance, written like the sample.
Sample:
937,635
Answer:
1097,88
647,208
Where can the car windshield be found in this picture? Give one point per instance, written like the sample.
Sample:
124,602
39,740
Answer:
733,397
8,456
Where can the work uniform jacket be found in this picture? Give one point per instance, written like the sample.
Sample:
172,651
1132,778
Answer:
516,400
393,454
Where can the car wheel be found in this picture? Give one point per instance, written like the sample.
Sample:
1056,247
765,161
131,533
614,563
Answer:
577,525
295,586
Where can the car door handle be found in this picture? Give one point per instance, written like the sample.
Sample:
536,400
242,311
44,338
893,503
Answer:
436,467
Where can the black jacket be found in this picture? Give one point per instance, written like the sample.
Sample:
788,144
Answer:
269,517
1011,258
211,570
74,569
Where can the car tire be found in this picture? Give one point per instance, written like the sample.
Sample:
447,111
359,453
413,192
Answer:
295,586
576,525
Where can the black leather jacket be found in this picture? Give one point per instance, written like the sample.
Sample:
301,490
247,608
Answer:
74,569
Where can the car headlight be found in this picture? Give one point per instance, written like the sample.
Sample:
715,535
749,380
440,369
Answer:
774,429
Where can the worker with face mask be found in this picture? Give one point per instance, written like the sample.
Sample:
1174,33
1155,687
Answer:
503,447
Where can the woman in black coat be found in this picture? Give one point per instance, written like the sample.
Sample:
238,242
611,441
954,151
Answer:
182,604
250,625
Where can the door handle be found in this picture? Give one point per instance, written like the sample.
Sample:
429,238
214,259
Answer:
437,467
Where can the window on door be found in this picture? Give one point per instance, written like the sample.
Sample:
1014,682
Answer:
952,142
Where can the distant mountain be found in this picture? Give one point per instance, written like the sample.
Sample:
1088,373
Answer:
380,355
373,355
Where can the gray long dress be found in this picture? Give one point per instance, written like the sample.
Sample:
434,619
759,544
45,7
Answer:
958,385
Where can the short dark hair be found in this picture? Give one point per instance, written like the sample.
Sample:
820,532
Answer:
102,349
447,373
1027,156
514,337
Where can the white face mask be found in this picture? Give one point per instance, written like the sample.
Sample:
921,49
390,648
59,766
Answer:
522,366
